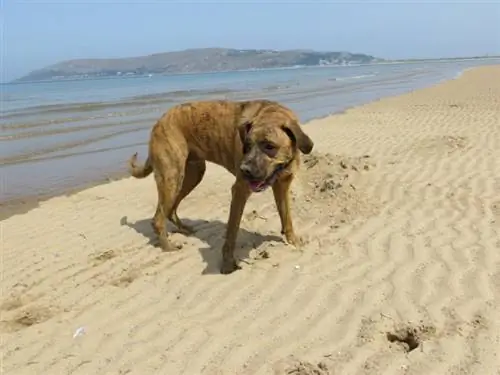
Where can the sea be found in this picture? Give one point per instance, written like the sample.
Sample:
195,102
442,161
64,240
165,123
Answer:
60,135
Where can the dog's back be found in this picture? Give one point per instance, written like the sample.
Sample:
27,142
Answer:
209,130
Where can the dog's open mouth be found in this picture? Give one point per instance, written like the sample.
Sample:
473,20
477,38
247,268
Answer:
258,186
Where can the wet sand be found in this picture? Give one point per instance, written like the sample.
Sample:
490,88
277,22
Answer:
25,204
400,271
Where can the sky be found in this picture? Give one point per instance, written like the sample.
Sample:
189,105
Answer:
38,33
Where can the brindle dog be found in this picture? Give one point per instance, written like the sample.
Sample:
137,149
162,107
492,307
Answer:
258,141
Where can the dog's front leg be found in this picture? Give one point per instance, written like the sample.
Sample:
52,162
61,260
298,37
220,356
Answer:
239,196
281,191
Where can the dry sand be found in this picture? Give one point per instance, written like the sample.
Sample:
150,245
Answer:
400,274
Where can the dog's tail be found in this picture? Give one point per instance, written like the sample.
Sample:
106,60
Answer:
139,171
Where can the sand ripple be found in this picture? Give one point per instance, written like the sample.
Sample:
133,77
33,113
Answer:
400,214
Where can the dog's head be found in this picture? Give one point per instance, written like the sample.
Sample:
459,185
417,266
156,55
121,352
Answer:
270,142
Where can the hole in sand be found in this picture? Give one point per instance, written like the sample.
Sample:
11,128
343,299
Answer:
104,256
123,281
27,318
126,279
407,338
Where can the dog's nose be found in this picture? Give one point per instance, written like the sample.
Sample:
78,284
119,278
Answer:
246,171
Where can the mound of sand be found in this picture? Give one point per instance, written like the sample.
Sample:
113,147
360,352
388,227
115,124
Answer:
295,366
328,188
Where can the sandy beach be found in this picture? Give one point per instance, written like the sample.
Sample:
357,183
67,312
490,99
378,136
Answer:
399,208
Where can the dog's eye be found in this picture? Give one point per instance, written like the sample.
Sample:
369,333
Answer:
268,146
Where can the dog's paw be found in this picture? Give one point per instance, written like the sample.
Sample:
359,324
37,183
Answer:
229,266
294,240
167,246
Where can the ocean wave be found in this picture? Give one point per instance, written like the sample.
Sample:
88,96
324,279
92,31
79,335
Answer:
45,152
180,93
361,76
73,129
69,120
53,109
80,153
139,100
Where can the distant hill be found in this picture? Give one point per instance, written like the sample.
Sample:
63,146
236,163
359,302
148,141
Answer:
193,61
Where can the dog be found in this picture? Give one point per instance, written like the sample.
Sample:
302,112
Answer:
258,141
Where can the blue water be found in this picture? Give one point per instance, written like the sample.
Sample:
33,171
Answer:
57,135
25,95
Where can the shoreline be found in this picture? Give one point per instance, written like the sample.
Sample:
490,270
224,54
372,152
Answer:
23,204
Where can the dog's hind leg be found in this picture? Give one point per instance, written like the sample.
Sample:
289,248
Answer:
157,219
193,174
169,176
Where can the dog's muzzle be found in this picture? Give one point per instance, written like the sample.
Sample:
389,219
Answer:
258,185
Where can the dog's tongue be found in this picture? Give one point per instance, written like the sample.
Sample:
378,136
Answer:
256,185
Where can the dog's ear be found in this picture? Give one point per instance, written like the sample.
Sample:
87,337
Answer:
244,129
295,132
